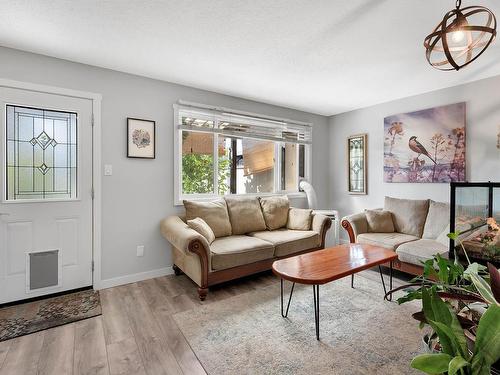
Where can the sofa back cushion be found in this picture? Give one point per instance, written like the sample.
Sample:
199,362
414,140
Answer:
437,219
245,214
214,213
408,215
299,219
275,211
379,221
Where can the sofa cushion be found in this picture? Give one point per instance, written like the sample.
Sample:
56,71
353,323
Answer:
388,240
443,236
299,219
408,215
245,214
419,251
232,251
202,228
275,211
437,219
287,241
214,213
379,221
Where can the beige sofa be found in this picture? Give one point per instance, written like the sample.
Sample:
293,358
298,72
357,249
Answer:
420,231
243,243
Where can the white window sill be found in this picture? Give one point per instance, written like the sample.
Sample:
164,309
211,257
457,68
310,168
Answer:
204,198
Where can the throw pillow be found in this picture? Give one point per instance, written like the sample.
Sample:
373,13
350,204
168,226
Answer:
299,219
245,214
275,210
214,213
379,221
202,228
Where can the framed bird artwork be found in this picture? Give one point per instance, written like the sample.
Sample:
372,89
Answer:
426,146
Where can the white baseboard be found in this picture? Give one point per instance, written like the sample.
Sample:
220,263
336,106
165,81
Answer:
127,279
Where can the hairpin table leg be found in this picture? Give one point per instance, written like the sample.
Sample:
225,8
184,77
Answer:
316,309
388,298
284,315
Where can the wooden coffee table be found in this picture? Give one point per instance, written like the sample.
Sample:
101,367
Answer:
322,266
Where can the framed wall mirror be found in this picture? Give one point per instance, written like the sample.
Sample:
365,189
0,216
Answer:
356,164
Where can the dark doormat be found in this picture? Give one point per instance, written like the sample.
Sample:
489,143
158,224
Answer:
36,316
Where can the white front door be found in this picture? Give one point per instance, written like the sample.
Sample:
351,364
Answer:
46,203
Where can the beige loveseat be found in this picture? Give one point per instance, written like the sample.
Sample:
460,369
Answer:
420,229
250,233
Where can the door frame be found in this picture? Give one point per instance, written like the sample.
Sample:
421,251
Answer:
96,160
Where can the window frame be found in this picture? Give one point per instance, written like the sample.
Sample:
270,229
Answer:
214,114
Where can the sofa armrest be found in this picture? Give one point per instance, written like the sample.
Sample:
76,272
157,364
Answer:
187,240
180,235
321,224
354,225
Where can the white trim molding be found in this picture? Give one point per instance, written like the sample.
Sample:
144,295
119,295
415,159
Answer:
133,278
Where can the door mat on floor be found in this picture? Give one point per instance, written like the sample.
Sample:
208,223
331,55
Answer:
36,316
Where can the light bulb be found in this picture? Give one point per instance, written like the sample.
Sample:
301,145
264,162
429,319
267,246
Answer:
457,36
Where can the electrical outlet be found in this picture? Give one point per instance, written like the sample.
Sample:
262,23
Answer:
140,250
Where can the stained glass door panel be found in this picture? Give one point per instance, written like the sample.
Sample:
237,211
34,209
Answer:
41,154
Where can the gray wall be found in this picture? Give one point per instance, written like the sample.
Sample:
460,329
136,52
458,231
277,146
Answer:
140,192
483,158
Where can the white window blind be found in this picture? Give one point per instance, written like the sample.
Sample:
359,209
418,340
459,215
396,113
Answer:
229,123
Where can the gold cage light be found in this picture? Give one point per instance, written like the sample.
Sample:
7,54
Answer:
461,37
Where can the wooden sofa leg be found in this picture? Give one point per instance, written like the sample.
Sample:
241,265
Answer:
177,270
202,293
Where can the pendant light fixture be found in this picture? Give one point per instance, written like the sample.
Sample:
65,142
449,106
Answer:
461,37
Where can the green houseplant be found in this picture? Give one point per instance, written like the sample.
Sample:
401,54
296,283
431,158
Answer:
462,306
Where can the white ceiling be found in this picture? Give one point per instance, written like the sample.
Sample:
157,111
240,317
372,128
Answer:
321,56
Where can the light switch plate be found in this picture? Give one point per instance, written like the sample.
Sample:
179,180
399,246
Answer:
108,170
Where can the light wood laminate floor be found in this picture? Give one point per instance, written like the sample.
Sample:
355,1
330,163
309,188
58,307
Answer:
135,334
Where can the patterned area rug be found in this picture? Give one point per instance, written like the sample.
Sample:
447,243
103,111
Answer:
36,316
360,332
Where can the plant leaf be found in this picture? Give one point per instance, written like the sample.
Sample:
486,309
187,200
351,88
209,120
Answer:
483,288
449,340
487,347
444,314
443,273
432,363
427,305
474,268
453,235
494,281
456,364
410,296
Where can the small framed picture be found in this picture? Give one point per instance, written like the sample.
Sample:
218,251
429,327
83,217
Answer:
140,138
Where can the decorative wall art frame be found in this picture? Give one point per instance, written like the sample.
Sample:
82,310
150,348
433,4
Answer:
356,164
141,138
427,146
498,138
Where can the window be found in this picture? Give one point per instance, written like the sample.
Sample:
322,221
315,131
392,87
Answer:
221,153
41,154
